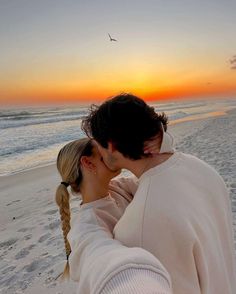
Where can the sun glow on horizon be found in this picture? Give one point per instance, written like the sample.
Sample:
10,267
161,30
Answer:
164,51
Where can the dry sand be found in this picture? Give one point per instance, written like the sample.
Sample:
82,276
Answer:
31,246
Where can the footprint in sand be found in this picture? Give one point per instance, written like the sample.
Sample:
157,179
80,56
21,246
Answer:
23,230
43,190
8,269
24,252
15,201
50,212
233,185
34,265
8,243
28,237
55,240
40,265
44,237
53,225
8,281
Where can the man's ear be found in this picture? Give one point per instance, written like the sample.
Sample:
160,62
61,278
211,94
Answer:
86,162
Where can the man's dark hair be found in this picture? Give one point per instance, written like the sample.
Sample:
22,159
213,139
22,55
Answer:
126,121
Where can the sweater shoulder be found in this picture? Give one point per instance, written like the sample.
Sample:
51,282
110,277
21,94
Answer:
198,165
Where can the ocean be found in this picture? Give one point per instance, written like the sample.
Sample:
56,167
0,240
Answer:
32,137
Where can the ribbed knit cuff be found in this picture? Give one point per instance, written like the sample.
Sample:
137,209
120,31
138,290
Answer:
137,281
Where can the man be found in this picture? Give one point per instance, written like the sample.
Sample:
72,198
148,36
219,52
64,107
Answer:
181,211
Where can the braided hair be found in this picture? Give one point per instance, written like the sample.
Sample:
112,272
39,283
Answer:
68,165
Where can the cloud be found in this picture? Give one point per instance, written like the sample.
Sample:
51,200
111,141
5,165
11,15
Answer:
232,62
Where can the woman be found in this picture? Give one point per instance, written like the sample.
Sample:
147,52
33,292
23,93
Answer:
115,269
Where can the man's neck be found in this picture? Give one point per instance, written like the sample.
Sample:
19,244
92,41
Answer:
140,166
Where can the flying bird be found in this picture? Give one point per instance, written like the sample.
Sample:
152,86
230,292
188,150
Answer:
111,39
232,60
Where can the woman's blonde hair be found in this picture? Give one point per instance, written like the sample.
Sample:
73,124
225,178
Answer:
68,165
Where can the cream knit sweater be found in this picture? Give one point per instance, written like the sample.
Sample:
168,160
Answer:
102,265
180,213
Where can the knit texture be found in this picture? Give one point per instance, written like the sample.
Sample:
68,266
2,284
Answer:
137,281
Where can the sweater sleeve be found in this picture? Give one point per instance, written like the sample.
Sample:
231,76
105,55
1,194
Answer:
99,263
124,186
137,281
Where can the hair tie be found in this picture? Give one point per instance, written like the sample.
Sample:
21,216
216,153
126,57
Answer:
65,184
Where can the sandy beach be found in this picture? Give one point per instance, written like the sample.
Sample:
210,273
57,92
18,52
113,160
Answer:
31,247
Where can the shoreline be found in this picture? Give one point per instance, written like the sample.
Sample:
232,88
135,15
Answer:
184,120
28,175
25,172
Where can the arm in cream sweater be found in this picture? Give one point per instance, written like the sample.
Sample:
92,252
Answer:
124,187
102,265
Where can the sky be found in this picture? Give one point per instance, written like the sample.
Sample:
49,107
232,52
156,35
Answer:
55,51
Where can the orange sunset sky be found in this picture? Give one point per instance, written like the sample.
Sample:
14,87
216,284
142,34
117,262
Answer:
57,51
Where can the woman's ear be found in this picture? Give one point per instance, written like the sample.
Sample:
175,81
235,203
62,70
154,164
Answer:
87,163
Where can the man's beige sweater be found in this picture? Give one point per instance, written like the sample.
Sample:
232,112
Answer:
181,213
